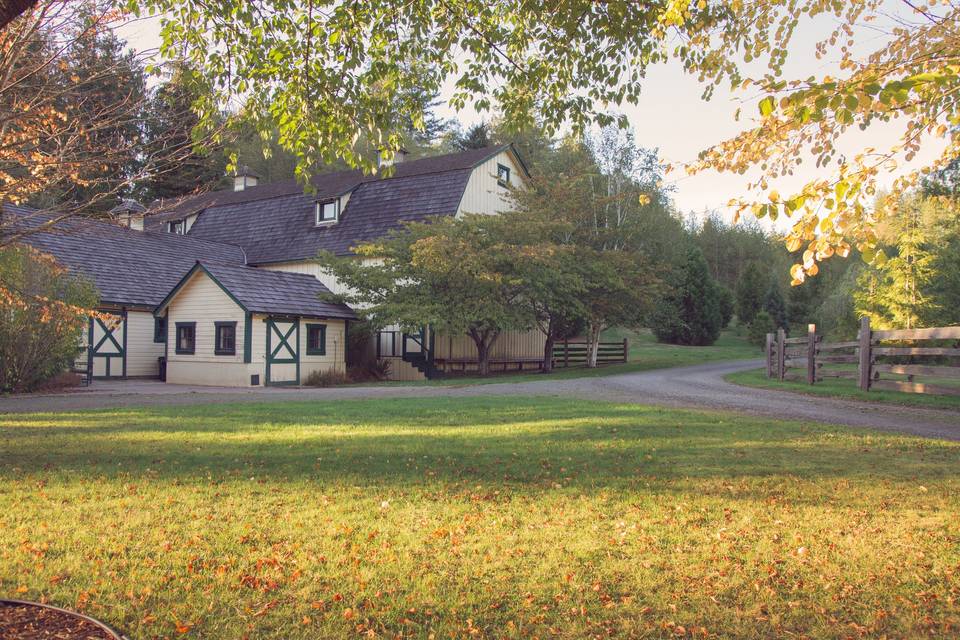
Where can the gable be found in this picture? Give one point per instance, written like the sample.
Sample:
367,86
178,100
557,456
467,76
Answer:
483,193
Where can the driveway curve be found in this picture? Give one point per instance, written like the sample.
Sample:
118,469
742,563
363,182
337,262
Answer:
696,387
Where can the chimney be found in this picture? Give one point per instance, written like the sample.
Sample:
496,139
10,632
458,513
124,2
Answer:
398,156
129,213
243,178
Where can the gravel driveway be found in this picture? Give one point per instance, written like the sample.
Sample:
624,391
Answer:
700,387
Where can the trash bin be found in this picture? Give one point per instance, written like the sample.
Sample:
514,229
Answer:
162,366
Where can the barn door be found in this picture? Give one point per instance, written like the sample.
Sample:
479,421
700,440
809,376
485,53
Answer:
108,346
283,351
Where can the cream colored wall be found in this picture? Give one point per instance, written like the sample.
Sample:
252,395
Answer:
142,351
313,269
510,344
335,357
202,301
483,194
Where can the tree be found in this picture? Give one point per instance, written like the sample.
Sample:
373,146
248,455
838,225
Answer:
775,307
689,313
475,137
727,303
43,310
759,327
333,95
450,274
751,289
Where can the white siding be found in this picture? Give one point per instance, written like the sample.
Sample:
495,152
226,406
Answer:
142,351
313,269
483,194
335,358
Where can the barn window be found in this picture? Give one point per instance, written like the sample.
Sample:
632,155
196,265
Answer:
316,339
186,338
159,329
328,211
226,339
503,175
178,227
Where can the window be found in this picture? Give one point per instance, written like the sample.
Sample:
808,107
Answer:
503,175
186,337
316,339
159,329
226,339
328,211
177,226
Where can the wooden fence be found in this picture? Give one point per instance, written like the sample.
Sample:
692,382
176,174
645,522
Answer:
875,353
574,354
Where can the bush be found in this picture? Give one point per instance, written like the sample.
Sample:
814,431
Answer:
762,325
690,312
43,311
328,378
375,371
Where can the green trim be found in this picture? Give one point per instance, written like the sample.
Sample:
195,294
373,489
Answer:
183,281
505,169
248,337
159,329
221,324
322,349
124,361
108,335
176,337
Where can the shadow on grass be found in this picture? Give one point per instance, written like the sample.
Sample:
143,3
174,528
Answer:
523,441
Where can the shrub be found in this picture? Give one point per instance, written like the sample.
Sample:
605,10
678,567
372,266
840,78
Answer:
762,325
43,311
690,312
377,370
328,378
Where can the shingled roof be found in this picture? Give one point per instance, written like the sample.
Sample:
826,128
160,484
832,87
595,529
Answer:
129,267
275,222
270,292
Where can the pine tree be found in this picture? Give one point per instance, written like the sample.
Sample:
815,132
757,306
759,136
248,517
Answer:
775,307
476,137
690,312
751,288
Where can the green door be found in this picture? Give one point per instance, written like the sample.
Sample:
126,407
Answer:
283,351
108,346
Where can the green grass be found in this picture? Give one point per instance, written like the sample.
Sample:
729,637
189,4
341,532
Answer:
847,389
485,517
644,354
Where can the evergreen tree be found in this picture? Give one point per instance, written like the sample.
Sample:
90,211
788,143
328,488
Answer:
751,288
727,303
775,307
690,311
475,137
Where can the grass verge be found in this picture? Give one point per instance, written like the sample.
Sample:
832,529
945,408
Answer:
490,517
843,388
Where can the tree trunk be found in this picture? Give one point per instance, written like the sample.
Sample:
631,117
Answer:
548,354
484,341
594,340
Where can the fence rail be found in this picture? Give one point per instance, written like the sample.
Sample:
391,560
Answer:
874,356
574,354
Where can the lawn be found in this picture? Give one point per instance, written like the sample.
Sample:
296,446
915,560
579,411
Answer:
486,517
847,389
644,354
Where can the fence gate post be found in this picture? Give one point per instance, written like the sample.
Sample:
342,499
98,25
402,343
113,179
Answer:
566,353
811,353
864,366
769,354
626,349
781,353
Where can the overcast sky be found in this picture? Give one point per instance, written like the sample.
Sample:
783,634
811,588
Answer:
672,118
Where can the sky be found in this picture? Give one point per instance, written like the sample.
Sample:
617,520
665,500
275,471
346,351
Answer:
672,117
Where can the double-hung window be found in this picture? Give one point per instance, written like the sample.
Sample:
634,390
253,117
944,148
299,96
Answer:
186,338
225,343
316,339
159,329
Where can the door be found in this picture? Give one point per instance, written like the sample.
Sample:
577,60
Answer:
108,346
283,351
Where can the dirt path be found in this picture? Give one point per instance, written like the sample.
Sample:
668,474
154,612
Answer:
698,387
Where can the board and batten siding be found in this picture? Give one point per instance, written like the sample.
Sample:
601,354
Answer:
142,351
510,344
202,301
483,194
335,357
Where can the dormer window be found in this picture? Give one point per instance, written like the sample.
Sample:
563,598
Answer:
503,175
177,226
328,211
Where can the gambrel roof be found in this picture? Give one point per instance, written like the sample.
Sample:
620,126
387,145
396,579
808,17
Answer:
128,267
265,291
275,222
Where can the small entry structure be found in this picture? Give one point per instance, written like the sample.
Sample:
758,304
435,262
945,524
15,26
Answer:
239,326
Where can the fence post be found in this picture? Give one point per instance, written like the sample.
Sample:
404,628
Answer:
811,353
566,353
863,368
781,354
769,354
626,349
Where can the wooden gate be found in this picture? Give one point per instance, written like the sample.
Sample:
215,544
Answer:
283,351
107,340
